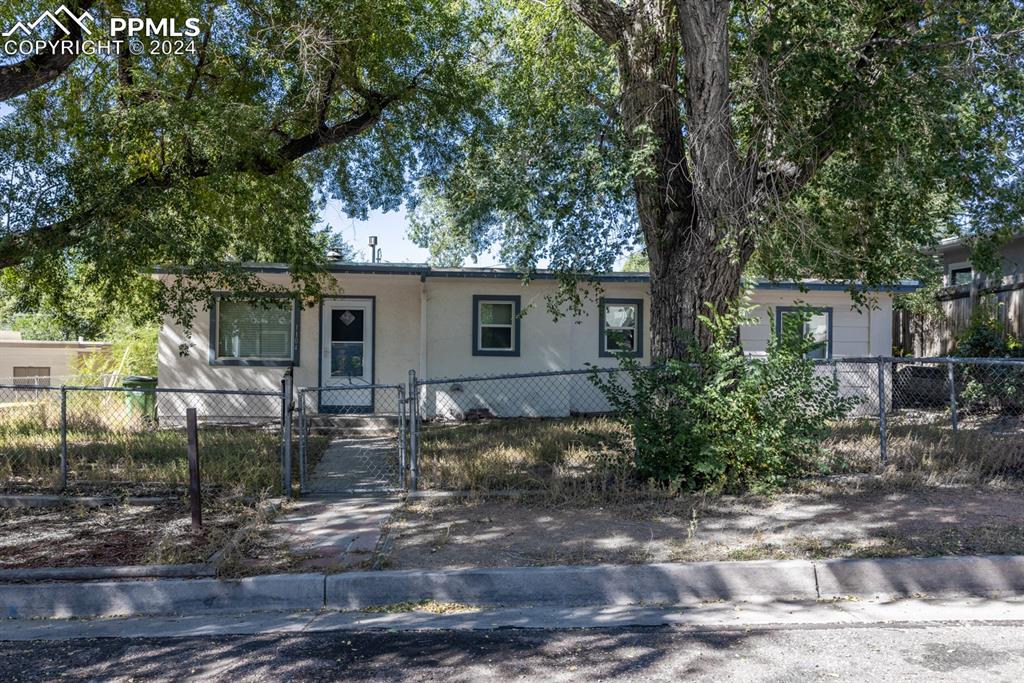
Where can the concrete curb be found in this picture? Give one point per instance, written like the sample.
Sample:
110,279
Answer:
990,575
607,585
142,571
588,585
162,596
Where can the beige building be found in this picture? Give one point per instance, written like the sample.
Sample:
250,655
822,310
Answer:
44,363
386,319
954,253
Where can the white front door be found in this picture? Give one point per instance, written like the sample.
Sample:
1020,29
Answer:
347,355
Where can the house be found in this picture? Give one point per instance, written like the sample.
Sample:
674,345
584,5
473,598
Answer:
964,290
387,319
31,362
954,254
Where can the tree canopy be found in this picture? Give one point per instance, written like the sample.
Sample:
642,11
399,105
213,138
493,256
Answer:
227,153
827,138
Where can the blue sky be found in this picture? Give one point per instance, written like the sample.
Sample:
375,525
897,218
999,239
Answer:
391,229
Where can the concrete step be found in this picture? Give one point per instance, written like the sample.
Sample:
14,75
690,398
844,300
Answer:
350,432
353,421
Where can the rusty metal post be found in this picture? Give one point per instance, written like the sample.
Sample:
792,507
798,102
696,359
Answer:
194,491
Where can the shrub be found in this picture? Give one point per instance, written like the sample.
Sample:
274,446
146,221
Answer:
986,337
719,420
990,387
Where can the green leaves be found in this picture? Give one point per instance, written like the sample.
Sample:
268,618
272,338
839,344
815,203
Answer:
718,420
227,154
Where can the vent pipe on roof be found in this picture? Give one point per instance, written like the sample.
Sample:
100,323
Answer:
374,251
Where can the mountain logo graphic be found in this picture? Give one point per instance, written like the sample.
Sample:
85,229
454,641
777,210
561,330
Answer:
63,24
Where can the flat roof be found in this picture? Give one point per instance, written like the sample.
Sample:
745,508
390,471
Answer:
49,344
424,271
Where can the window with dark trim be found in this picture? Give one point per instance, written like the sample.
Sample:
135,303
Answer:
496,329
807,322
621,327
31,376
263,332
961,276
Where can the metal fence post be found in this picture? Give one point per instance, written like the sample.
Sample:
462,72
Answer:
883,434
63,437
952,394
414,441
194,488
286,433
401,437
303,430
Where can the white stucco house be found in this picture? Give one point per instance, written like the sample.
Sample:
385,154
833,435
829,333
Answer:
387,319
31,362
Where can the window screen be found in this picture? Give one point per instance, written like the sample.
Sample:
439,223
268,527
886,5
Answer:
255,331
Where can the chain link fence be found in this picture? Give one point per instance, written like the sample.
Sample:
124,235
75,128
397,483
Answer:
496,432
353,439
538,430
132,440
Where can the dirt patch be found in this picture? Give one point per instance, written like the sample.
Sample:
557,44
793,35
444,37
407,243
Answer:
869,523
114,536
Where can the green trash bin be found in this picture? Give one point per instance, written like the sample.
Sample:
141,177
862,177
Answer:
141,403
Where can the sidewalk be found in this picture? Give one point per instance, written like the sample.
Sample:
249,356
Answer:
772,614
556,587
332,533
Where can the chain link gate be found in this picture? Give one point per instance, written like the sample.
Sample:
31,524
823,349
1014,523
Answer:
352,439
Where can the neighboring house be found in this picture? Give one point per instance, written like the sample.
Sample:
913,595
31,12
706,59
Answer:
964,289
386,320
31,362
955,255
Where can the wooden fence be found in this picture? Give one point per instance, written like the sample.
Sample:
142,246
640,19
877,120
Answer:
915,335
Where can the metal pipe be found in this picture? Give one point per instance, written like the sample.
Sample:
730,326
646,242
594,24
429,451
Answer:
414,441
952,395
63,437
303,437
286,434
401,438
883,435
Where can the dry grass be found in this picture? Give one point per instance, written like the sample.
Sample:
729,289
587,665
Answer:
575,457
431,606
575,460
117,535
981,453
124,454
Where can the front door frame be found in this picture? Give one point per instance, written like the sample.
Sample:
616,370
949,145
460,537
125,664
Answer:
320,353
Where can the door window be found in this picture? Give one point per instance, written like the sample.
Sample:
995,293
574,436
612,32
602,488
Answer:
348,340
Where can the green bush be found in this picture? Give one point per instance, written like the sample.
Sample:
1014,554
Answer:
990,387
719,420
986,337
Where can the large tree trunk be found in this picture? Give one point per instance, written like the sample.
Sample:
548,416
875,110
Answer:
691,201
685,284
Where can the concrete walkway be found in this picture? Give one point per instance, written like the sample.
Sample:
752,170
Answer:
736,615
339,524
331,532
357,465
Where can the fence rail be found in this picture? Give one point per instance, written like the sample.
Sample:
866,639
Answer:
134,439
86,437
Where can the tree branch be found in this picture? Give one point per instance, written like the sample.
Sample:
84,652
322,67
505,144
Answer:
18,248
42,67
783,177
604,17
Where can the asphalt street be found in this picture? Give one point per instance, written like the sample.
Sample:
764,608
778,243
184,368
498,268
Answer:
978,651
